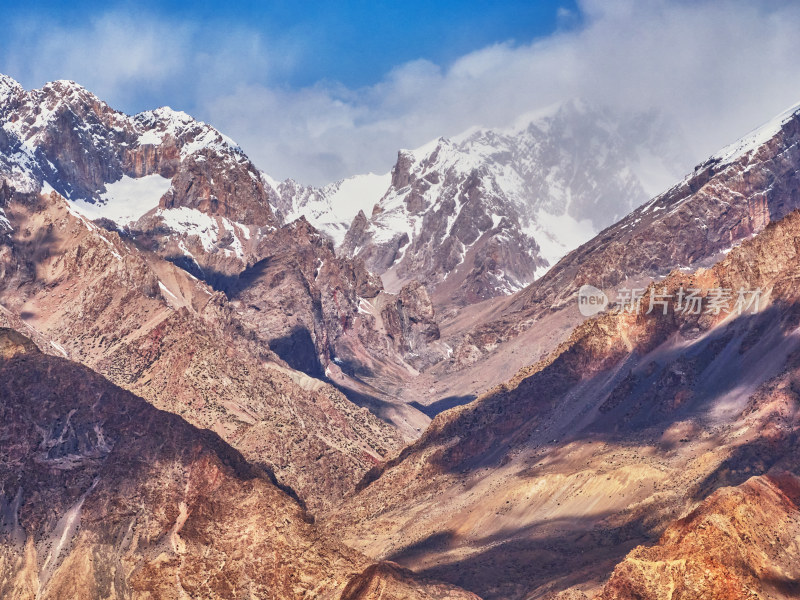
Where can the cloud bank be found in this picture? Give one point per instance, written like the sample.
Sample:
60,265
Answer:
716,69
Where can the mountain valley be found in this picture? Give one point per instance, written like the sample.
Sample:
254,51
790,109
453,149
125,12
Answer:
217,385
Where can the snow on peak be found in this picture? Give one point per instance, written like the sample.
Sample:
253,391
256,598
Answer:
331,209
157,124
68,91
756,138
9,87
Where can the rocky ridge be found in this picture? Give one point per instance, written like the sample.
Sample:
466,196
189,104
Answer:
485,213
203,198
722,202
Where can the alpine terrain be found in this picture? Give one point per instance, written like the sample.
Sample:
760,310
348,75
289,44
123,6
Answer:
215,384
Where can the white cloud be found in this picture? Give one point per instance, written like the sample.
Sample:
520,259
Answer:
108,54
127,58
717,68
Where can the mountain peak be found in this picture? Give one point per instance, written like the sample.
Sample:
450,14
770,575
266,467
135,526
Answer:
69,91
9,88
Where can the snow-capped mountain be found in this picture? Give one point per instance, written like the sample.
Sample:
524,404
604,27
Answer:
188,191
487,212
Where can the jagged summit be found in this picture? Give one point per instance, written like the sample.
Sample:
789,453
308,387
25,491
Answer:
9,87
487,212
181,183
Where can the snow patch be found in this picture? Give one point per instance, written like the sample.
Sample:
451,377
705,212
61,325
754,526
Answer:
59,348
165,290
126,200
150,138
191,221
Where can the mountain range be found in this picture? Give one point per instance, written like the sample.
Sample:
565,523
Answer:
215,384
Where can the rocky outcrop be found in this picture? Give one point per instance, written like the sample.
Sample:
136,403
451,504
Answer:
302,299
359,242
14,344
739,543
409,320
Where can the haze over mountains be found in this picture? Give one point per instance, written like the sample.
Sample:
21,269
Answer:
300,340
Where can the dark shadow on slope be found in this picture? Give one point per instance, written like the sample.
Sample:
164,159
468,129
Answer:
434,408
671,383
188,265
287,489
786,586
756,458
515,565
235,284
372,402
299,352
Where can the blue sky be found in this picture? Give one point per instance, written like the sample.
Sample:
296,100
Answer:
320,91
352,42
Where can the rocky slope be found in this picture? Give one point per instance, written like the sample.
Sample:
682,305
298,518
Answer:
177,188
728,198
329,317
725,200
102,495
150,327
545,483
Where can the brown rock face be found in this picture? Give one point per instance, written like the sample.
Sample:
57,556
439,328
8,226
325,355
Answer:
102,495
401,172
215,188
389,581
13,344
409,320
739,543
302,298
